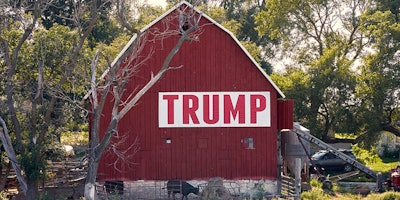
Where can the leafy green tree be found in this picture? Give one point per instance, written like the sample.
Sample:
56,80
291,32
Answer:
243,12
37,65
310,36
63,12
295,84
391,5
45,75
59,12
378,87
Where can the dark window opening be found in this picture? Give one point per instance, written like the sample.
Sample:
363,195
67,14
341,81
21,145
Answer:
183,22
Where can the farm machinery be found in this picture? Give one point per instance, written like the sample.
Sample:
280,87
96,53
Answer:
304,137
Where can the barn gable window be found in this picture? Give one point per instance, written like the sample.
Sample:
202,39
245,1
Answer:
183,22
183,19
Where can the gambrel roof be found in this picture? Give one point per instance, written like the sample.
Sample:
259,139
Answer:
131,42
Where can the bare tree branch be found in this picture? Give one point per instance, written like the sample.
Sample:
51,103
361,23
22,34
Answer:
8,147
116,78
93,79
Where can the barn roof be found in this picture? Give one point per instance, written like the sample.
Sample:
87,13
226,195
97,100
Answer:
131,41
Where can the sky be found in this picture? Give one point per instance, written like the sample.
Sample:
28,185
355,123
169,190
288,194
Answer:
157,2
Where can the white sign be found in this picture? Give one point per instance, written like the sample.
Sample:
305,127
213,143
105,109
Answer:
214,109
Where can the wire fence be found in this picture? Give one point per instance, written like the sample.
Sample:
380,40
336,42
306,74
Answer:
156,190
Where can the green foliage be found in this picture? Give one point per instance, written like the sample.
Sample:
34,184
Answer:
253,50
391,196
325,102
345,135
388,153
379,79
338,97
146,15
384,196
33,163
105,31
75,138
314,183
316,192
48,74
218,14
365,156
295,84
319,194
58,13
55,152
275,19
259,191
243,12
373,161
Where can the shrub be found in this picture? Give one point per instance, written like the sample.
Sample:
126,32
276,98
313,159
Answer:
55,153
389,152
384,196
316,192
391,196
32,163
364,156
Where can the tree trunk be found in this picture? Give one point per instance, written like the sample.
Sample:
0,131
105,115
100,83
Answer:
90,184
32,192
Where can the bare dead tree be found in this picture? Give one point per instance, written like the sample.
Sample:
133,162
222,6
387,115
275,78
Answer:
12,156
118,76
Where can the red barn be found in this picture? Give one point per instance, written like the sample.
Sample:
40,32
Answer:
217,115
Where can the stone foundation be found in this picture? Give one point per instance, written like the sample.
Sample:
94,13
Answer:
234,189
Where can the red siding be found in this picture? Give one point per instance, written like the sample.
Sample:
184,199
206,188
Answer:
214,63
285,114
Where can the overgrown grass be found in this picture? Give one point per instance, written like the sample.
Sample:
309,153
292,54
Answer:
370,158
384,165
372,196
373,161
318,193
384,196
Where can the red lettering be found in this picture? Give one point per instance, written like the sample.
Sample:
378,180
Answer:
254,108
206,109
237,111
190,105
170,99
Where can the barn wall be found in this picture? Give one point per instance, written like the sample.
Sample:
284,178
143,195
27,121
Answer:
214,63
285,114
